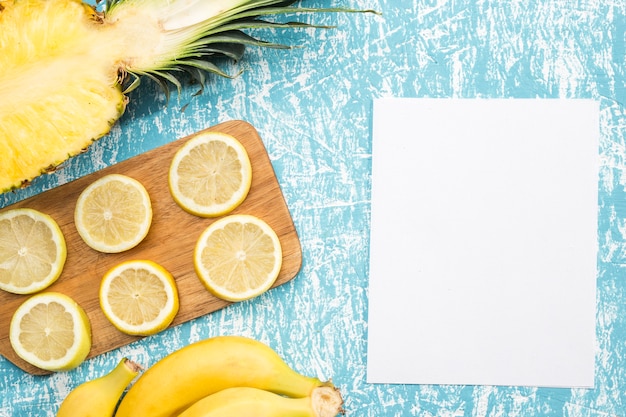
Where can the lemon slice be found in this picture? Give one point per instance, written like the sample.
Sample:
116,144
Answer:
139,297
32,251
50,331
113,214
210,175
238,257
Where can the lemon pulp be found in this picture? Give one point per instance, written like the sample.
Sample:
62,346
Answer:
113,214
238,257
32,251
50,331
139,297
210,175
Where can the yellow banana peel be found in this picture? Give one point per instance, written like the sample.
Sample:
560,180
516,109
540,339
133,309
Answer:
203,368
99,397
245,401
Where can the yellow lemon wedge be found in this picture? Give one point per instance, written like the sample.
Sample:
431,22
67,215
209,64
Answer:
113,214
50,331
139,297
210,175
32,251
238,257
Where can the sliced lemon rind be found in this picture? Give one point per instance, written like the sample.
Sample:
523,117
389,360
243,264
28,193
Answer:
187,203
82,228
167,313
59,241
81,329
204,274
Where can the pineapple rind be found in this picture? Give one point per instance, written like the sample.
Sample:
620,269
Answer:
62,87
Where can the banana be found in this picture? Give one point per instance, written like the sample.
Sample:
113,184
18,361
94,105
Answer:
245,402
99,397
200,369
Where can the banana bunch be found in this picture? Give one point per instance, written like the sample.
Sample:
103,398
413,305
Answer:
224,376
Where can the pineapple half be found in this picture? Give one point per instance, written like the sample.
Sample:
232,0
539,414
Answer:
65,68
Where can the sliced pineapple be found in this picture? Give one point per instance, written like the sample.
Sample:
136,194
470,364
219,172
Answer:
57,93
64,68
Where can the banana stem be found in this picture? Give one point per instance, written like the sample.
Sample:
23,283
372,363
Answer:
326,402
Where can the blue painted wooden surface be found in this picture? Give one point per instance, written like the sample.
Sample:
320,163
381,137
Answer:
312,106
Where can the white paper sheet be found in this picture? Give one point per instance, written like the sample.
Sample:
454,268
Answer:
483,242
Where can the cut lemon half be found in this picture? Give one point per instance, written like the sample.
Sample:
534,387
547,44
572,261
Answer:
139,297
210,175
32,251
238,257
50,331
113,214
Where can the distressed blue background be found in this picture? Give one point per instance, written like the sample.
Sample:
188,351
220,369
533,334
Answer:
312,107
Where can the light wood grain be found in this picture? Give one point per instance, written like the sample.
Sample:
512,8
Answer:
170,242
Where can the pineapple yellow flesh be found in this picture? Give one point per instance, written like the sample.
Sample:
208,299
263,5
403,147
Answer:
57,91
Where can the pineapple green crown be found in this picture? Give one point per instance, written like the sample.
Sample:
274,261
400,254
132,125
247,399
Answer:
196,32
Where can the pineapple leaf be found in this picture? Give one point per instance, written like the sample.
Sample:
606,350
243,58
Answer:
133,84
205,66
239,37
248,23
230,50
167,76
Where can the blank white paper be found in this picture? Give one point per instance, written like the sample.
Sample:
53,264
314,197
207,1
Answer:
483,248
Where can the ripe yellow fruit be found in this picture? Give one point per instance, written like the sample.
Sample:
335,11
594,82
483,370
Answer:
32,251
139,297
66,68
210,175
203,368
113,214
50,331
244,401
238,257
99,397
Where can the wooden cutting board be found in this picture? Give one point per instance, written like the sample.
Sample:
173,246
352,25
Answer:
170,242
